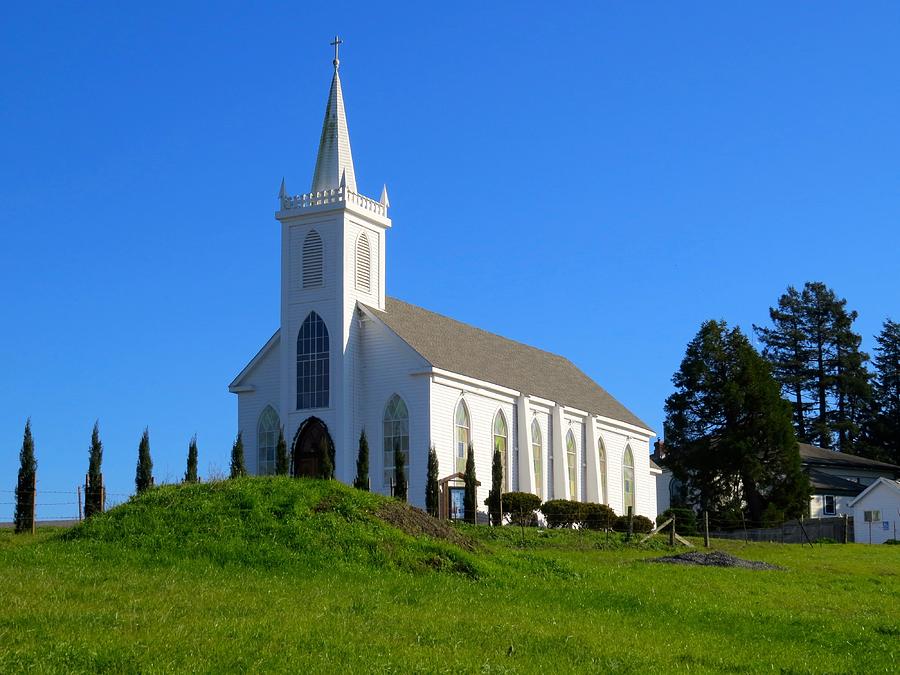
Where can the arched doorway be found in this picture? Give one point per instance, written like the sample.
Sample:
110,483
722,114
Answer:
306,448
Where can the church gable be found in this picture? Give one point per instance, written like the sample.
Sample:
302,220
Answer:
269,352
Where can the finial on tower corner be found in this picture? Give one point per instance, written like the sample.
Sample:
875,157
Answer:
384,197
336,44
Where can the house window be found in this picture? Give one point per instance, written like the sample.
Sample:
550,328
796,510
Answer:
312,364
313,260
628,480
363,264
266,439
501,444
463,435
571,463
871,516
828,509
601,467
395,425
537,451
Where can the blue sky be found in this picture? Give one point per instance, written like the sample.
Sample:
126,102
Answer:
595,179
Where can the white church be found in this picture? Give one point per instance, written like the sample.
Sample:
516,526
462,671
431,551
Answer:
347,357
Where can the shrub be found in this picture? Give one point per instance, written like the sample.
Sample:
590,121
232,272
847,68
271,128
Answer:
561,512
432,488
640,524
521,507
892,542
597,516
361,482
825,540
685,520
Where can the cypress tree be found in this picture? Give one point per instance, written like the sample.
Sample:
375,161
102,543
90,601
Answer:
494,496
190,474
281,455
326,461
25,485
400,485
432,490
93,490
470,499
361,482
884,433
143,479
237,457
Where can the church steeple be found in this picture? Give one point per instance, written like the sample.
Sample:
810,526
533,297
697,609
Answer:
334,163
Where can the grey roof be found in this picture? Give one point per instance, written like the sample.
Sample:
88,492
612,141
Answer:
458,347
816,456
822,482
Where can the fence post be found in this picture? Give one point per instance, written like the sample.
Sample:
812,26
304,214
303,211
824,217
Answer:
102,495
630,522
706,529
78,494
846,533
33,499
672,532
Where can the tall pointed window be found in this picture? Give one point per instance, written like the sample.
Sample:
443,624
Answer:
601,468
501,444
313,376
395,428
628,480
266,439
537,451
463,434
363,264
571,464
313,260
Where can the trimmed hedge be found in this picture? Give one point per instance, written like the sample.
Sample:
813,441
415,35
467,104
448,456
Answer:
521,507
640,524
597,516
685,520
561,512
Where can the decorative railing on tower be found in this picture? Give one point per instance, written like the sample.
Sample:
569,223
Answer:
336,195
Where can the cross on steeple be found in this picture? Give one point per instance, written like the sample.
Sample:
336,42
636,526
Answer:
336,44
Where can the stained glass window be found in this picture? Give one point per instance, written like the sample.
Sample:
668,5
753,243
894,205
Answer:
537,450
571,462
628,480
463,434
395,426
501,443
312,364
266,440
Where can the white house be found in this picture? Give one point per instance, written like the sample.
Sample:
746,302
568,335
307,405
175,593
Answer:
876,512
349,358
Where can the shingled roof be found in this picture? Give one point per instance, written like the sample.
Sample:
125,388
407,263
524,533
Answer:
460,348
812,455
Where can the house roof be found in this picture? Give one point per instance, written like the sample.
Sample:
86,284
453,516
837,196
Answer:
812,455
825,483
881,481
260,355
458,347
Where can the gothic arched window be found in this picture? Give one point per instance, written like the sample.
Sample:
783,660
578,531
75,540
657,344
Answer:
395,434
266,439
501,443
463,434
537,451
313,375
571,464
628,480
601,468
363,264
313,260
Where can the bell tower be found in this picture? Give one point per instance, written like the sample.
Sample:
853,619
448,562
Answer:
332,257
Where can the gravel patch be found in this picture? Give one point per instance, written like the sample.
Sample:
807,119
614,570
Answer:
714,559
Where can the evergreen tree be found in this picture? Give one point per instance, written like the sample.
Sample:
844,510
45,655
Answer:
494,500
281,455
190,474
400,488
884,432
326,460
25,486
432,490
143,478
93,489
361,482
238,468
729,437
470,499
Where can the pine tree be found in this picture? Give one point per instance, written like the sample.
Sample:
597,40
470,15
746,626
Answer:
432,490
237,457
361,482
93,489
494,496
281,455
470,499
143,478
326,460
25,486
400,487
190,474
729,437
884,432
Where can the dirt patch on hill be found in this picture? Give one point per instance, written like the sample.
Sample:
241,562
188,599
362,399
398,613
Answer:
416,522
714,559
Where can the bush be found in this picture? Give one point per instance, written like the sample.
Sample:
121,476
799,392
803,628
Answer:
825,540
597,516
685,520
892,542
520,507
561,512
640,524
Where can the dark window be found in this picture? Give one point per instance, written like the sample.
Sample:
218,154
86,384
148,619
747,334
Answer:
312,364
829,505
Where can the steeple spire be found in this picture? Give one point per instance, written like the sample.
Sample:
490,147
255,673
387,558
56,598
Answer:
334,163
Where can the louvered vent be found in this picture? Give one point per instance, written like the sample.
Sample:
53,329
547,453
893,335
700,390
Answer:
313,259
363,264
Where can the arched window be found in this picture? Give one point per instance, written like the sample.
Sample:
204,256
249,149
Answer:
601,467
266,439
628,481
313,260
363,263
501,443
395,427
463,434
571,462
537,451
312,364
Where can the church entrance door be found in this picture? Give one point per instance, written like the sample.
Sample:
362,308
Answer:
306,451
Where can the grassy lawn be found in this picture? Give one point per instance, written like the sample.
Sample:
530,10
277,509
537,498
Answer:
274,574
